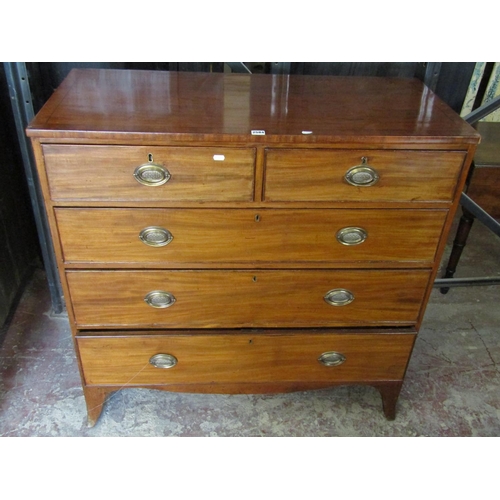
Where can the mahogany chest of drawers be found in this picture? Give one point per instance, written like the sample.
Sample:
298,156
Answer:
247,233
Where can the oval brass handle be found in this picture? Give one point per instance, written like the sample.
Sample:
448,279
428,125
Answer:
151,174
155,236
163,361
159,299
331,358
362,175
338,297
351,235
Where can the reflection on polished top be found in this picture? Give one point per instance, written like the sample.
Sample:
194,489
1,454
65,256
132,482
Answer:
186,106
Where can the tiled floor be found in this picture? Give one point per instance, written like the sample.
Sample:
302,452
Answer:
452,387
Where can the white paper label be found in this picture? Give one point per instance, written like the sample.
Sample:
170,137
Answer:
219,157
258,132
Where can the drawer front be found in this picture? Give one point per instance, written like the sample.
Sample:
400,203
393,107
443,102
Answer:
194,237
320,175
106,173
208,359
226,299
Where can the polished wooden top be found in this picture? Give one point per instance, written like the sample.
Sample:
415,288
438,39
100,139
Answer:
185,106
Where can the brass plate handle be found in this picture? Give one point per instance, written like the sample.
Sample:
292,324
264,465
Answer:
362,175
339,297
351,236
155,236
151,174
159,299
332,358
164,361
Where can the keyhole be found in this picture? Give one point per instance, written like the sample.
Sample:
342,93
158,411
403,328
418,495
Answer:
257,218
150,158
254,279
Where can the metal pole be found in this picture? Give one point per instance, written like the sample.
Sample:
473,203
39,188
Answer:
452,282
481,215
22,108
280,68
482,111
432,70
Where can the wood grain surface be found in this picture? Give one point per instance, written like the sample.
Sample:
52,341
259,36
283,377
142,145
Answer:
171,106
246,357
107,173
318,175
266,237
255,199
229,299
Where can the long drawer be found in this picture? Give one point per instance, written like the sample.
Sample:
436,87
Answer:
243,358
197,237
125,173
227,299
361,175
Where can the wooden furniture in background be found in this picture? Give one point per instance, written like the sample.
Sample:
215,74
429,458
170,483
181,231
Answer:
483,187
247,233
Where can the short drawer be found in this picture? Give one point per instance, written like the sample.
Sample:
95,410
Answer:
257,298
126,173
380,175
197,237
243,358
